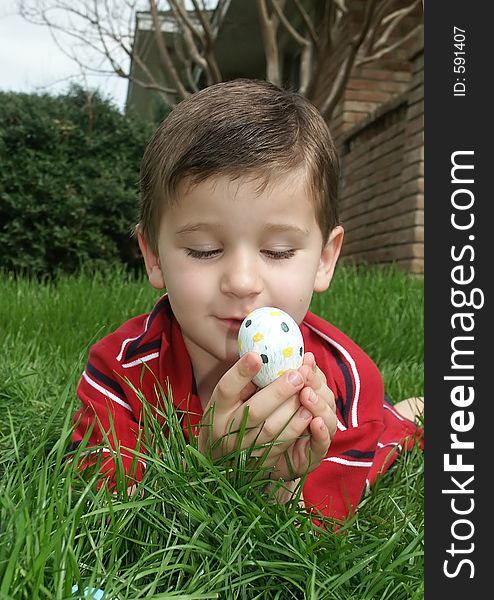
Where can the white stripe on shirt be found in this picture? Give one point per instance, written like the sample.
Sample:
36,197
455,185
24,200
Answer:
350,463
391,444
125,342
106,392
394,411
140,360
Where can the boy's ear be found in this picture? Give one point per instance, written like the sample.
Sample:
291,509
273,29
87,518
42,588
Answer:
329,257
152,262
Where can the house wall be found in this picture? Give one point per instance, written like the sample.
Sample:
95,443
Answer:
382,184
378,130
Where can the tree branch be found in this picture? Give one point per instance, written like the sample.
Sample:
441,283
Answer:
394,19
300,39
343,74
268,32
163,52
308,24
388,49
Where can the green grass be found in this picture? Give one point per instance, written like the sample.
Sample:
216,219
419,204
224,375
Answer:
191,532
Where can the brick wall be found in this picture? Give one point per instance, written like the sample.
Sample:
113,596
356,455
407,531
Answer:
381,194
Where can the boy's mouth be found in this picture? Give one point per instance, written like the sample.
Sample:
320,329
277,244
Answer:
231,323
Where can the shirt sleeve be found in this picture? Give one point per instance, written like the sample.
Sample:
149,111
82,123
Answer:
109,416
335,487
399,434
369,438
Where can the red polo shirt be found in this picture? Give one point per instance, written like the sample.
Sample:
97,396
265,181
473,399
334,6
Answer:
370,433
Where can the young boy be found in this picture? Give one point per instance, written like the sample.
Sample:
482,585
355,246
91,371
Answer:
238,211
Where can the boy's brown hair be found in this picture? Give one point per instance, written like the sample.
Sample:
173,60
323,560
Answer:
239,128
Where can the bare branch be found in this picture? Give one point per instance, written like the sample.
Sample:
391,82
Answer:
394,19
203,56
345,69
182,16
366,59
288,26
268,31
305,68
185,63
308,23
100,36
204,22
163,51
188,39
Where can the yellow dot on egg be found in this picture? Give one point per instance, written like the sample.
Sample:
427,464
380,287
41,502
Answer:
287,352
258,337
240,345
274,313
280,373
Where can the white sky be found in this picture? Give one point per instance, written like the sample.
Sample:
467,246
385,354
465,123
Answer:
30,61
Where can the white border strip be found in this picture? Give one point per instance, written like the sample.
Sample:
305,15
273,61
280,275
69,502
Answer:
394,411
106,392
390,445
140,360
350,463
125,342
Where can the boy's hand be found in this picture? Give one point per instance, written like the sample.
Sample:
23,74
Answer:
278,415
307,452
270,409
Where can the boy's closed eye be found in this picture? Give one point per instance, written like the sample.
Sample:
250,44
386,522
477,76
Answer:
202,253
272,254
279,254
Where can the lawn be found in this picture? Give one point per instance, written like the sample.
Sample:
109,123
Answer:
194,532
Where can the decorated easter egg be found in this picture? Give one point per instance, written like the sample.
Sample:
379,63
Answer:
276,337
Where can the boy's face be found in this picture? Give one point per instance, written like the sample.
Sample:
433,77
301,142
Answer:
225,249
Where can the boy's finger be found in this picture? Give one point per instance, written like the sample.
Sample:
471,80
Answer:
231,387
319,406
319,442
309,360
283,428
267,400
314,376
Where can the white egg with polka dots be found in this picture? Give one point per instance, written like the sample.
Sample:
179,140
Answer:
276,337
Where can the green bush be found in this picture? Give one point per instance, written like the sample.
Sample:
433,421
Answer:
69,168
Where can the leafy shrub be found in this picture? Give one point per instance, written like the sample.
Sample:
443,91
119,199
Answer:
69,168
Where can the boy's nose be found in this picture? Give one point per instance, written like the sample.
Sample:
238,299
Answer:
241,276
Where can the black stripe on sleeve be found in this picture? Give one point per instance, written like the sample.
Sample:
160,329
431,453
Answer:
359,454
340,406
135,350
388,400
345,406
72,446
104,379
